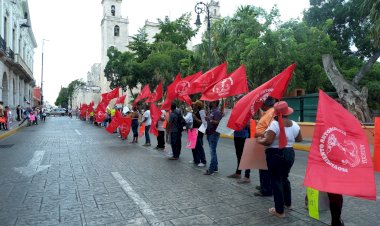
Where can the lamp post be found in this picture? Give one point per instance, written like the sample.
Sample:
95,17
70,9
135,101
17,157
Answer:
42,73
200,8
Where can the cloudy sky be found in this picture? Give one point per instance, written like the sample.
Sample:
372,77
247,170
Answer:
72,28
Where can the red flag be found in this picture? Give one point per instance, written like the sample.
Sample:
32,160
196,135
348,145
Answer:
145,92
155,114
114,124
250,103
339,159
121,100
124,124
111,95
234,84
209,78
100,113
171,93
157,94
184,86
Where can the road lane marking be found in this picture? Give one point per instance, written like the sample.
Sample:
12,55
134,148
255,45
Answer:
78,132
34,165
145,207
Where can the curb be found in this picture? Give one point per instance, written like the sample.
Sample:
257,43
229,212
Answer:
11,132
297,146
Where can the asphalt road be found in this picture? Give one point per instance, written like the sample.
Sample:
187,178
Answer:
68,172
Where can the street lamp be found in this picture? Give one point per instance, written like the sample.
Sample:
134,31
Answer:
200,8
42,73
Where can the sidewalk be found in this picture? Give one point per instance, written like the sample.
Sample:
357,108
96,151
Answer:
12,130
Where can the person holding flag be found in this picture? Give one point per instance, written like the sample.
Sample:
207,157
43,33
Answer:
161,130
135,124
280,137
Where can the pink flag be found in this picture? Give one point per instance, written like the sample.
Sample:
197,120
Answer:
339,159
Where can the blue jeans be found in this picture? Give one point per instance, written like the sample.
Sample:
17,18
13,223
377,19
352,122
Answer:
213,142
280,161
147,137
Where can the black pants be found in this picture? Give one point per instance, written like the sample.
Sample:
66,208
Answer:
239,146
280,161
175,141
198,152
336,204
161,139
265,182
135,127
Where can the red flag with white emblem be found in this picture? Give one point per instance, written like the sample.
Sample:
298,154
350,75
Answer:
205,80
250,103
234,84
339,159
155,114
124,124
120,100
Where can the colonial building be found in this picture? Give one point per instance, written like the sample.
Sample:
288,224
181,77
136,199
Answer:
17,44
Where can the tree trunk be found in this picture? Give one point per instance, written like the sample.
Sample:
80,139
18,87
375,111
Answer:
351,98
366,67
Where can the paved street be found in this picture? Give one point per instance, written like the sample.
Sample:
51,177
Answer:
68,172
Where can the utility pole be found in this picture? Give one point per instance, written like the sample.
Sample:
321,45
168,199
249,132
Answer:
42,73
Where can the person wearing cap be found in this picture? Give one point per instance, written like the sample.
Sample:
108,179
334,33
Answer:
280,137
199,157
265,188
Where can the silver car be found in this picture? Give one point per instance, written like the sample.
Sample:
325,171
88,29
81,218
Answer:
57,111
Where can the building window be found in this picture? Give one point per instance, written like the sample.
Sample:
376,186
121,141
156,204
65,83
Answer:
113,10
116,30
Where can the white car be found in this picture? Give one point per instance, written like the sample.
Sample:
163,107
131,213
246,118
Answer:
57,111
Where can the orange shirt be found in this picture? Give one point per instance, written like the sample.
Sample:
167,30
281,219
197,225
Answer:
264,121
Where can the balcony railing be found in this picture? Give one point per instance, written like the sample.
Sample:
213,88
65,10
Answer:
25,67
10,53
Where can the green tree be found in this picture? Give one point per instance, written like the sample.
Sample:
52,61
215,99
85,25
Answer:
352,23
65,94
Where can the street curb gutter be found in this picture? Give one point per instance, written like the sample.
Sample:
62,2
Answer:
10,132
296,146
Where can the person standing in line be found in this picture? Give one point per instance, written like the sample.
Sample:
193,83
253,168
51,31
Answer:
43,115
135,124
265,188
199,114
161,130
175,129
148,121
280,136
212,136
18,113
239,141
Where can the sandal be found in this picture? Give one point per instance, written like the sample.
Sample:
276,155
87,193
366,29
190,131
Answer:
273,212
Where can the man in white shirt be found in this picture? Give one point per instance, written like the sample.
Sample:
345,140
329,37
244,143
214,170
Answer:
148,121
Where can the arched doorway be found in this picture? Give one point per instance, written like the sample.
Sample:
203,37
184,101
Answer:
4,89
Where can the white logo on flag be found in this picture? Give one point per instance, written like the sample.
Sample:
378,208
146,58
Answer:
260,98
347,152
223,87
182,88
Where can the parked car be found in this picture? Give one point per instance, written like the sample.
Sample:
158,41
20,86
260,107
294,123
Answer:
57,111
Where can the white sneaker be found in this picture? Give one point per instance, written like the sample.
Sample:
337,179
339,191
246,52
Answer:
191,161
201,165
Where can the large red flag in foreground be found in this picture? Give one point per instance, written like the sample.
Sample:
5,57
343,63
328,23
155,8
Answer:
124,124
234,84
339,159
145,92
205,80
100,113
120,100
111,95
157,94
155,114
250,103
